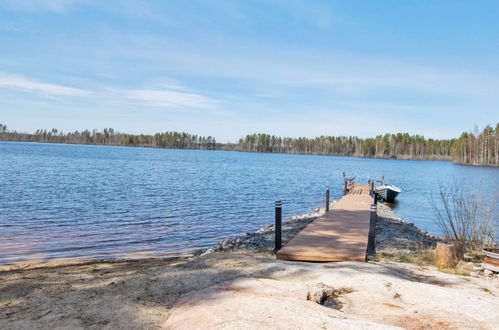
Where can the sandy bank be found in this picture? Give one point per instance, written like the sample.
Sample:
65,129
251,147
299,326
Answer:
241,289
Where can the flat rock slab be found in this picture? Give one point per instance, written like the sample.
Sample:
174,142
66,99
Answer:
339,235
259,304
383,295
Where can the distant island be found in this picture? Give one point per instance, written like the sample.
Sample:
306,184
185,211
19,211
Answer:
480,148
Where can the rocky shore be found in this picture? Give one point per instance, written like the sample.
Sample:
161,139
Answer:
263,239
392,233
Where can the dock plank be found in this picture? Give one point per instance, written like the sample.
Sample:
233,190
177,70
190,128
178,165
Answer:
339,235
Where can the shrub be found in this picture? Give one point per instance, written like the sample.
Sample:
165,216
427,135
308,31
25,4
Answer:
464,216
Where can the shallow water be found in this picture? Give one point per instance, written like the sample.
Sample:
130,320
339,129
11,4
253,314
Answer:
76,201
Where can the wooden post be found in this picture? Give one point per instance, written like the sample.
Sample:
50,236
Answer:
446,255
327,199
278,225
371,239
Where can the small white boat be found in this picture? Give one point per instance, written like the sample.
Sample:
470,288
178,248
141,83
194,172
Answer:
387,193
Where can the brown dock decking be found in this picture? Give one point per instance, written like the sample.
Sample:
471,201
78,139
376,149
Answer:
339,235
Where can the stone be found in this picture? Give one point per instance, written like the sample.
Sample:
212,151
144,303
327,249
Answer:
487,272
198,252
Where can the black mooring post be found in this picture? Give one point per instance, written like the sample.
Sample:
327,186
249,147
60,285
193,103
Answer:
372,188
327,199
371,241
278,225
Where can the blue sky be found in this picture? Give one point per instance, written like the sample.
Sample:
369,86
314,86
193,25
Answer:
229,68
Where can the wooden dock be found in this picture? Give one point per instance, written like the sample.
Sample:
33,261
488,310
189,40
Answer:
339,235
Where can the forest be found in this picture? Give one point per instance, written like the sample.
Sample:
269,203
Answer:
471,148
478,148
108,136
401,145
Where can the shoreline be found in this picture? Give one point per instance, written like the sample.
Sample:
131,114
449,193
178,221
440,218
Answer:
392,234
449,160
239,283
401,157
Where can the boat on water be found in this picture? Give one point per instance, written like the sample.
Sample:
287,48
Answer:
387,193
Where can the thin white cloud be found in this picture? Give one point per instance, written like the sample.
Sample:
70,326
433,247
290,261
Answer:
171,99
168,83
174,86
142,9
279,66
170,94
56,6
14,82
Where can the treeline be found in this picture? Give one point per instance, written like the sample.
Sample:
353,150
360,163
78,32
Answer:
108,136
401,145
477,148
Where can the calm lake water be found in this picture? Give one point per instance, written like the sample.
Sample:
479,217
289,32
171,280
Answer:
76,201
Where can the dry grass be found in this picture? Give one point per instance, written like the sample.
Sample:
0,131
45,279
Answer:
487,290
462,268
473,256
392,305
426,257
423,257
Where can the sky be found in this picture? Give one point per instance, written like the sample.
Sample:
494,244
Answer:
231,68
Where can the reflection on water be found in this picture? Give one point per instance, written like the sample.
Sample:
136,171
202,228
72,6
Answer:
110,202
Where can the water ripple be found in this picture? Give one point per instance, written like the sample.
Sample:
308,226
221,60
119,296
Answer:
72,201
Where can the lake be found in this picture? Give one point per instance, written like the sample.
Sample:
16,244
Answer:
79,201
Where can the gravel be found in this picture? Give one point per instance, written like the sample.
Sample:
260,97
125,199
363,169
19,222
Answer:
392,232
263,239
